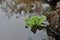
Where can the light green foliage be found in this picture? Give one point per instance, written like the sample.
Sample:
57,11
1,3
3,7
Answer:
35,20
42,19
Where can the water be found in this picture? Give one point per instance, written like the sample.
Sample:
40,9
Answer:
14,29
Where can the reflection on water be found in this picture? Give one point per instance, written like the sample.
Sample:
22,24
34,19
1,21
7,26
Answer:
14,29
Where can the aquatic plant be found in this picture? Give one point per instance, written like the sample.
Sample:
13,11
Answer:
35,22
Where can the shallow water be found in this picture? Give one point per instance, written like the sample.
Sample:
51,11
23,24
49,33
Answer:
14,29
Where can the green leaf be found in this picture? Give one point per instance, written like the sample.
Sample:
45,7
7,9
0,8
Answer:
35,19
42,19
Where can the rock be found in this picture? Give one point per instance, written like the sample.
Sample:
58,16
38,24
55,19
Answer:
53,29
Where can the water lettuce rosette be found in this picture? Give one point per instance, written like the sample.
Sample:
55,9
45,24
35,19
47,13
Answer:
35,22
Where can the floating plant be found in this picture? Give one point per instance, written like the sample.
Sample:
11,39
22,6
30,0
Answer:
35,23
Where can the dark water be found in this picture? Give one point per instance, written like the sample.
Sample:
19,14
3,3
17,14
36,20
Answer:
14,29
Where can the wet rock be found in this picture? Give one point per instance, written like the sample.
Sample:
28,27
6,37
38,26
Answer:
53,29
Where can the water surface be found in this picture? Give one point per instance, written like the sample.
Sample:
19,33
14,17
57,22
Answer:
14,29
